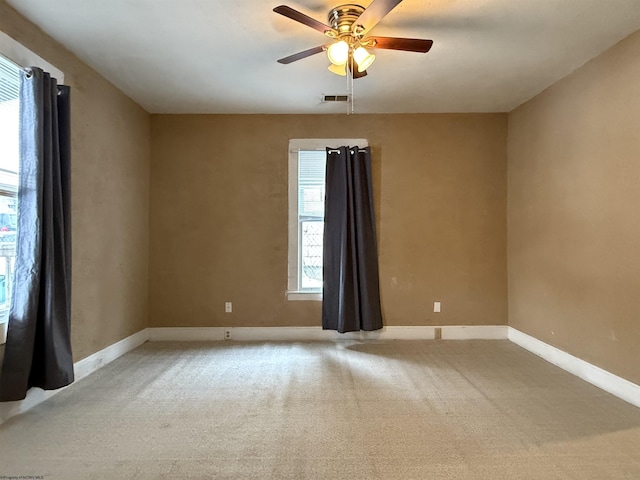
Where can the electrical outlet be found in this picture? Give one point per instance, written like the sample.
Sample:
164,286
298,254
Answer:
227,334
436,307
228,307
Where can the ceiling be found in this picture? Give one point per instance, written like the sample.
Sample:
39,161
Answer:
219,56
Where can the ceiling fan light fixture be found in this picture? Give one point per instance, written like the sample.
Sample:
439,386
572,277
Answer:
338,52
338,69
348,28
363,58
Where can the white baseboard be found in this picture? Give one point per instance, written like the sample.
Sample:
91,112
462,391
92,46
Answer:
317,333
191,334
618,386
475,332
247,334
88,365
81,369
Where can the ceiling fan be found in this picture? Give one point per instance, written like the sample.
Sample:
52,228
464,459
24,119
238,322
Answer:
348,27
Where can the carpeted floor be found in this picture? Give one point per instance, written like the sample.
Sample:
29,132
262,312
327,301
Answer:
344,410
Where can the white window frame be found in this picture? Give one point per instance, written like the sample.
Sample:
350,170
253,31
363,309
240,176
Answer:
23,57
296,145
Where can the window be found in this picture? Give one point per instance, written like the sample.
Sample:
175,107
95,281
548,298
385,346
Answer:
9,120
12,55
307,161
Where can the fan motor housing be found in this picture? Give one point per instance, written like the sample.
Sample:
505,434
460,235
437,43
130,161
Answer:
343,17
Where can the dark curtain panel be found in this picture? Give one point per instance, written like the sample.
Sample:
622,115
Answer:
38,348
351,293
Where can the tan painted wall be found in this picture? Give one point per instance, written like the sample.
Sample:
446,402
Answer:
110,197
219,217
574,216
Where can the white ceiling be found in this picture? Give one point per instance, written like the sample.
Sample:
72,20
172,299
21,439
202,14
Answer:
219,56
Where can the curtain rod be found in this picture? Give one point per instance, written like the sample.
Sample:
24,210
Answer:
335,150
327,149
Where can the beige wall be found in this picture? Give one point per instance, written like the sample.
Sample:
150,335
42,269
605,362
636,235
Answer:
110,191
219,217
574,215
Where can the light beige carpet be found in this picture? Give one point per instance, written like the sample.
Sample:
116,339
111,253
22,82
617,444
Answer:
346,410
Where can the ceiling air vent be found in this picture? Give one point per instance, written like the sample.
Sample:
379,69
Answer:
335,98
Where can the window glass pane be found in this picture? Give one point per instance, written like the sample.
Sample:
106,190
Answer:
9,161
311,180
7,251
311,253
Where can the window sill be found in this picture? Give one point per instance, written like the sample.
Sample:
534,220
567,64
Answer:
304,296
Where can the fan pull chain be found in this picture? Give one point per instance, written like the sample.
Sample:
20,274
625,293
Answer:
352,84
350,109
348,88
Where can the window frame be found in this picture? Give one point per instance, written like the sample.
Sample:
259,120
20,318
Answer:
294,292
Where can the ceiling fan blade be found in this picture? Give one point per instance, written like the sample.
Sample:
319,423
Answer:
300,55
304,19
374,13
406,44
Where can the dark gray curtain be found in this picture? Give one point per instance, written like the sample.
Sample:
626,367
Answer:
38,348
351,293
